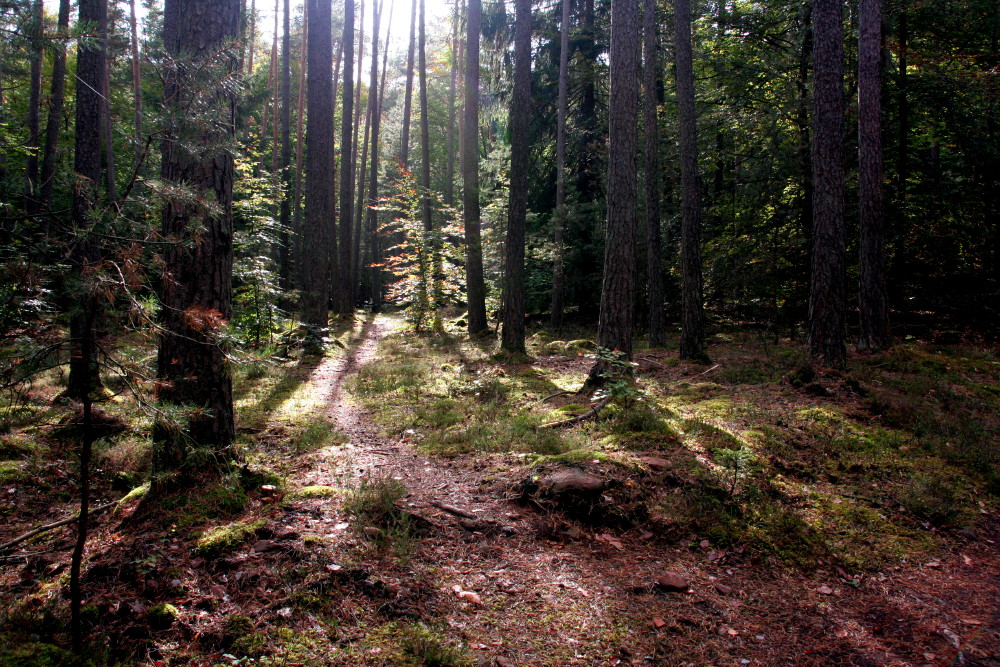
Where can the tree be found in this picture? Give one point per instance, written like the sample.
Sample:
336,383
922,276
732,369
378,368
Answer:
826,294
654,249
614,329
404,145
341,290
320,162
34,103
559,263
285,263
201,39
692,307
136,84
873,298
475,283
512,338
56,99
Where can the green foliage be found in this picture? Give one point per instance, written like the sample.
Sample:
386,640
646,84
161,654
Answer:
377,517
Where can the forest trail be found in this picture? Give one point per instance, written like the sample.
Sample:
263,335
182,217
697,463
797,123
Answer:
519,586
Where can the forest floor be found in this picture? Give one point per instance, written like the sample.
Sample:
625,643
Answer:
405,504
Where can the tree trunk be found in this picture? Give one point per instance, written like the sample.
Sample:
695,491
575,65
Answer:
320,163
285,219
449,184
252,40
827,292
197,295
85,253
404,143
614,329
342,290
35,55
425,132
107,136
56,99
692,307
299,144
136,85
873,294
559,264
475,283
512,337
375,255
654,250
362,171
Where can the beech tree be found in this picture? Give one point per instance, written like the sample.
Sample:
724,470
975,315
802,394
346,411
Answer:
201,40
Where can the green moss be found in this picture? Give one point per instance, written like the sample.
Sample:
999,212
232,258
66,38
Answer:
161,616
313,491
135,494
36,654
224,539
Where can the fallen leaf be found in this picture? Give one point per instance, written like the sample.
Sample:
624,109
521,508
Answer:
825,590
971,621
840,633
469,596
658,623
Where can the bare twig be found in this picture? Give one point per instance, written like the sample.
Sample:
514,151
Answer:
592,412
650,360
55,524
703,373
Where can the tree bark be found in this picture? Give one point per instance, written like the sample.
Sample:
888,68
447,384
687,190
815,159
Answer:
299,144
320,163
375,256
654,250
692,307
342,290
873,294
85,253
475,283
559,263
136,85
54,122
614,330
449,184
512,337
107,136
201,37
35,56
285,219
362,172
404,143
827,290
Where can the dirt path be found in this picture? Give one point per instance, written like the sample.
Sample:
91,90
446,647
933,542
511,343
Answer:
522,588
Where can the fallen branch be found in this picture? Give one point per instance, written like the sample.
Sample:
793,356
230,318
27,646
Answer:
55,524
579,418
562,392
453,510
703,373
651,360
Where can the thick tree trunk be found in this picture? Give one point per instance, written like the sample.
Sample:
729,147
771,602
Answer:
692,307
475,283
285,219
35,56
654,249
197,297
56,99
512,337
84,375
320,163
614,330
299,144
873,294
342,290
404,143
559,263
827,290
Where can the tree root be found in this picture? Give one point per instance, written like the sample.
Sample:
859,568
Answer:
592,412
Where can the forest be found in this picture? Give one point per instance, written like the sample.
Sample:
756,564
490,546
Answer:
542,332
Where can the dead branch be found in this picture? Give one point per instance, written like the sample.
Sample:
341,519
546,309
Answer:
453,510
579,418
55,524
562,392
703,373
